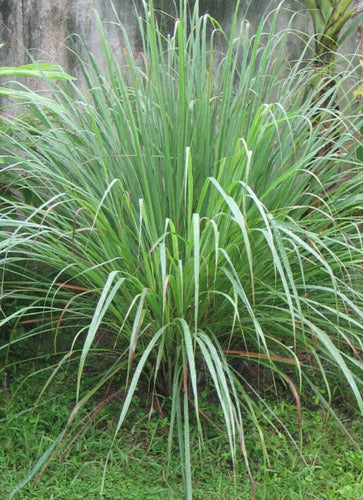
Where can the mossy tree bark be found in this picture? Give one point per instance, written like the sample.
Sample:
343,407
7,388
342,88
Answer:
329,18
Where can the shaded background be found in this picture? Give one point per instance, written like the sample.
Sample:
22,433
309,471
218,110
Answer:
43,27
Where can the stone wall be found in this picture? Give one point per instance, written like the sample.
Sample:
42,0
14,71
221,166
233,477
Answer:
42,27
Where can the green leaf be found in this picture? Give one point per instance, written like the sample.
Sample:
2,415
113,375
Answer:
42,70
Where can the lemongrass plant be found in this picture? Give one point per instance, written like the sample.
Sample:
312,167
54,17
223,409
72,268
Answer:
177,216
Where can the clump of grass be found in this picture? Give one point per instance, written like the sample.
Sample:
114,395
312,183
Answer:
187,218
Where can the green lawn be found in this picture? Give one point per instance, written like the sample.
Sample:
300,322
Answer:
137,467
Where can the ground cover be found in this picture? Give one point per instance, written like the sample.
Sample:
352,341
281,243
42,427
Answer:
330,467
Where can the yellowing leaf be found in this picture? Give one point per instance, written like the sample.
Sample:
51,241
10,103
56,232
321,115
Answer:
359,91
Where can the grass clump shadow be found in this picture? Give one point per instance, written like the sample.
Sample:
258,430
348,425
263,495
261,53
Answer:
183,225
